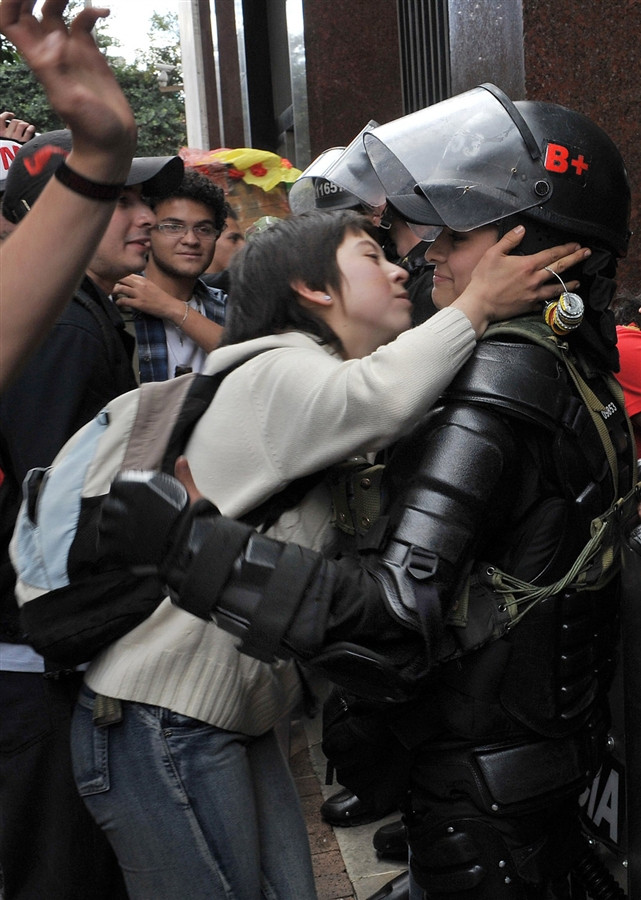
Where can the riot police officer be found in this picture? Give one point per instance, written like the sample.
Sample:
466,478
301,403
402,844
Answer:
461,599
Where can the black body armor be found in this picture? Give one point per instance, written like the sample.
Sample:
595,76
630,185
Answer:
508,472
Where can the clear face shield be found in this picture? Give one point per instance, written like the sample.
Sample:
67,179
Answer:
339,178
353,172
463,163
302,194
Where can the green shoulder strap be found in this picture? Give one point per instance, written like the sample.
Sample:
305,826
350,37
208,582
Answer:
597,563
537,331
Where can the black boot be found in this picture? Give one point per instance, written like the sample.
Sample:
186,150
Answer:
390,841
396,889
344,808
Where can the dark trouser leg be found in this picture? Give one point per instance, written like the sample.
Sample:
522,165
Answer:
50,846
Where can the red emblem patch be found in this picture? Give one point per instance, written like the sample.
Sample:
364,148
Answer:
562,160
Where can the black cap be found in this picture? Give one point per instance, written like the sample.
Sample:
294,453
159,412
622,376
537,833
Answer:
37,160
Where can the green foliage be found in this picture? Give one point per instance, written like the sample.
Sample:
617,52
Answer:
22,94
160,115
8,52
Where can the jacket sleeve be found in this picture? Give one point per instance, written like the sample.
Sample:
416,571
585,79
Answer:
298,409
64,385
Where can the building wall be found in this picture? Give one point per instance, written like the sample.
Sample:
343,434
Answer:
586,56
353,68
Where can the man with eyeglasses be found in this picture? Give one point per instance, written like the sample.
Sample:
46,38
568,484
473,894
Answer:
178,319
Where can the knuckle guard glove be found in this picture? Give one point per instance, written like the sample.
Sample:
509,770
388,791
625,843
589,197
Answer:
137,518
251,585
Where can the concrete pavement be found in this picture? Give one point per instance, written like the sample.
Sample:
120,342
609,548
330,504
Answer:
345,862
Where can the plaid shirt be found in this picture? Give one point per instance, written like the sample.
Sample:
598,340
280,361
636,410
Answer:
151,338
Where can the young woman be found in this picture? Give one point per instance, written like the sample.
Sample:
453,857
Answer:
190,785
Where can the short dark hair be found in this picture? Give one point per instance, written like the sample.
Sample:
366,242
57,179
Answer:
302,248
625,307
201,189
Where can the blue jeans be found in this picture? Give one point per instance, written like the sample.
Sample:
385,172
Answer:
192,810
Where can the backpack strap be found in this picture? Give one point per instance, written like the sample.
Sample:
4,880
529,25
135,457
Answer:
198,391
161,406
267,514
130,327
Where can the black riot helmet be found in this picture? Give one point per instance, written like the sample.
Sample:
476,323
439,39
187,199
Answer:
479,158
590,189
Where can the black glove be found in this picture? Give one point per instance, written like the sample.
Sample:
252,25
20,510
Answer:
137,517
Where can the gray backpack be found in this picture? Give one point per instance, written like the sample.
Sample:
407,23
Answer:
71,606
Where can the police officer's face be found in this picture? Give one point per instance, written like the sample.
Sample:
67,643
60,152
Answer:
456,254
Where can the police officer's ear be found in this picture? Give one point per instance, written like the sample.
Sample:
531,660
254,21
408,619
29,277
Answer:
310,298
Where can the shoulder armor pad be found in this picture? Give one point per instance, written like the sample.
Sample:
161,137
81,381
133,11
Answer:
524,379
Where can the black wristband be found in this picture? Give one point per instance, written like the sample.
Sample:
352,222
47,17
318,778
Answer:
86,188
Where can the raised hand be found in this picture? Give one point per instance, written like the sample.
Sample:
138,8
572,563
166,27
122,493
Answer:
85,94
504,285
536,282
12,129
79,83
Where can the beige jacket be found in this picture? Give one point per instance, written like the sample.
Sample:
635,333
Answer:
285,413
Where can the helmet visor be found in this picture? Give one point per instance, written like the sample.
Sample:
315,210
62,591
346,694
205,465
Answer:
462,163
352,171
340,178
302,194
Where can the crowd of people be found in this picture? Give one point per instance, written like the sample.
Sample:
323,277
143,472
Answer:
403,322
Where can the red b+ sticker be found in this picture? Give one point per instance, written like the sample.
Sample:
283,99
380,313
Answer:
562,160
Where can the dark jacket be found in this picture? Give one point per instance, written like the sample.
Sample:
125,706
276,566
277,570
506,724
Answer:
83,363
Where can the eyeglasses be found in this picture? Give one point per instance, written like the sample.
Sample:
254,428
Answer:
179,229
